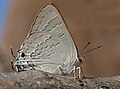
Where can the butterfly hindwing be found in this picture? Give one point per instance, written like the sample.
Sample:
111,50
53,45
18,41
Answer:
49,44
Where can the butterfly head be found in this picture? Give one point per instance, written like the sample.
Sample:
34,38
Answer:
21,63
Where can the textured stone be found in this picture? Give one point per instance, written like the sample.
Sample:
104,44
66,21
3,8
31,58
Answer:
42,80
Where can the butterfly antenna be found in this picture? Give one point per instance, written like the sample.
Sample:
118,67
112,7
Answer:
92,49
12,52
85,47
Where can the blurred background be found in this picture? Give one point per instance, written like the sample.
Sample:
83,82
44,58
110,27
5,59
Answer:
97,21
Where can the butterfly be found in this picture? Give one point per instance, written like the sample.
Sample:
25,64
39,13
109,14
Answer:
48,46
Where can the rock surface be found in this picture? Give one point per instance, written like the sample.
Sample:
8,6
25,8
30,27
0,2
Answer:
42,80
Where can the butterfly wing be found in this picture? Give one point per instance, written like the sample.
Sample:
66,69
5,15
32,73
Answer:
49,44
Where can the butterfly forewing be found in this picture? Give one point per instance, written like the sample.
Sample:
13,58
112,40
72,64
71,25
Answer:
49,44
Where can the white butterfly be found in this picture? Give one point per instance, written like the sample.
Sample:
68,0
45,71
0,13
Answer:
48,46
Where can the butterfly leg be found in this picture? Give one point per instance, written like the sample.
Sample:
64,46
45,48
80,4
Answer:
12,65
61,71
15,68
74,70
32,67
82,72
30,64
79,71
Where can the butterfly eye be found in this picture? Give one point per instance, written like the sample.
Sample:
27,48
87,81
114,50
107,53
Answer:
23,54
